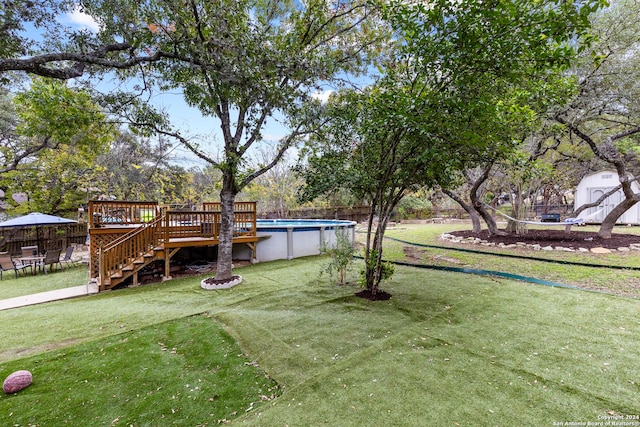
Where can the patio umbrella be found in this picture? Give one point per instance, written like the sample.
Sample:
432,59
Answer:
36,219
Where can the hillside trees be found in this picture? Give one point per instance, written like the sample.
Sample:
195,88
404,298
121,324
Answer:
135,168
276,189
60,151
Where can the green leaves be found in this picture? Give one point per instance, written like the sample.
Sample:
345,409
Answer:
50,156
507,39
62,115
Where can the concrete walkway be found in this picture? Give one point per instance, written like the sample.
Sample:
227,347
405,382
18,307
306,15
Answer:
42,297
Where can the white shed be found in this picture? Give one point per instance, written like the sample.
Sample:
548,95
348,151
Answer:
593,186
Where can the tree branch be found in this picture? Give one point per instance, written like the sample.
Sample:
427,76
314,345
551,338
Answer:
41,64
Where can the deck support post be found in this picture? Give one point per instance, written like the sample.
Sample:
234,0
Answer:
167,265
254,256
168,254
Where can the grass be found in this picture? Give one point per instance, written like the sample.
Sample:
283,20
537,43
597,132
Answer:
621,282
11,287
180,372
286,348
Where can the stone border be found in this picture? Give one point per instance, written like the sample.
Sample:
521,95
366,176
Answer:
474,240
227,285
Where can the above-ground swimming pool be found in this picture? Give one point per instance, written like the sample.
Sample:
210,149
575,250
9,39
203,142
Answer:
294,238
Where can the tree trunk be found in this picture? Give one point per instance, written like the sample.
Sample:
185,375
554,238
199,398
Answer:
225,247
594,204
473,214
477,204
368,250
518,212
610,220
374,273
630,199
492,226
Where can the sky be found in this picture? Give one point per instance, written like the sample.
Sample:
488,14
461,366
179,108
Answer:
187,119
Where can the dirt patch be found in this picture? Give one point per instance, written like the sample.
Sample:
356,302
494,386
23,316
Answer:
154,274
378,296
414,254
417,256
559,237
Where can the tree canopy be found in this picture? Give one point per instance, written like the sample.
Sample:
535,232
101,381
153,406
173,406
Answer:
58,131
604,114
461,87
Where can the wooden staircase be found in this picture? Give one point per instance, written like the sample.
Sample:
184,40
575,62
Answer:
141,241
131,269
130,253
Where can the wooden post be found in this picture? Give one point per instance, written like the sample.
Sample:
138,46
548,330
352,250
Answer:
101,272
167,264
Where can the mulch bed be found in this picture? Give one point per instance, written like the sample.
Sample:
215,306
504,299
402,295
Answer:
378,296
213,281
557,237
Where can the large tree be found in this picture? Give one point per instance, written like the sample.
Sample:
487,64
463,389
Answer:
239,62
605,113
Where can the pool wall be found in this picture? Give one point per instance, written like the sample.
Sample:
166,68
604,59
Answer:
288,239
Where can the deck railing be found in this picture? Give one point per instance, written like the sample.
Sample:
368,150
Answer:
244,216
197,224
104,213
237,206
129,247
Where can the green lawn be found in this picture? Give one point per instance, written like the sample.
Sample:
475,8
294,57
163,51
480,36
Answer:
27,284
285,348
621,282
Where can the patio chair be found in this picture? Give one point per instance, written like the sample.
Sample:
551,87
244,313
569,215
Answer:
67,257
7,263
51,258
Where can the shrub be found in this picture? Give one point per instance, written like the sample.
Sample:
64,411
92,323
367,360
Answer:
341,256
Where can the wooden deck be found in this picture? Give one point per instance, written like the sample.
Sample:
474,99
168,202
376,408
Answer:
127,236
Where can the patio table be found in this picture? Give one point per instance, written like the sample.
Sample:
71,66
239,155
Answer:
34,260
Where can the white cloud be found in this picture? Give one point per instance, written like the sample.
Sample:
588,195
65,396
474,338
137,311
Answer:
322,96
82,20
